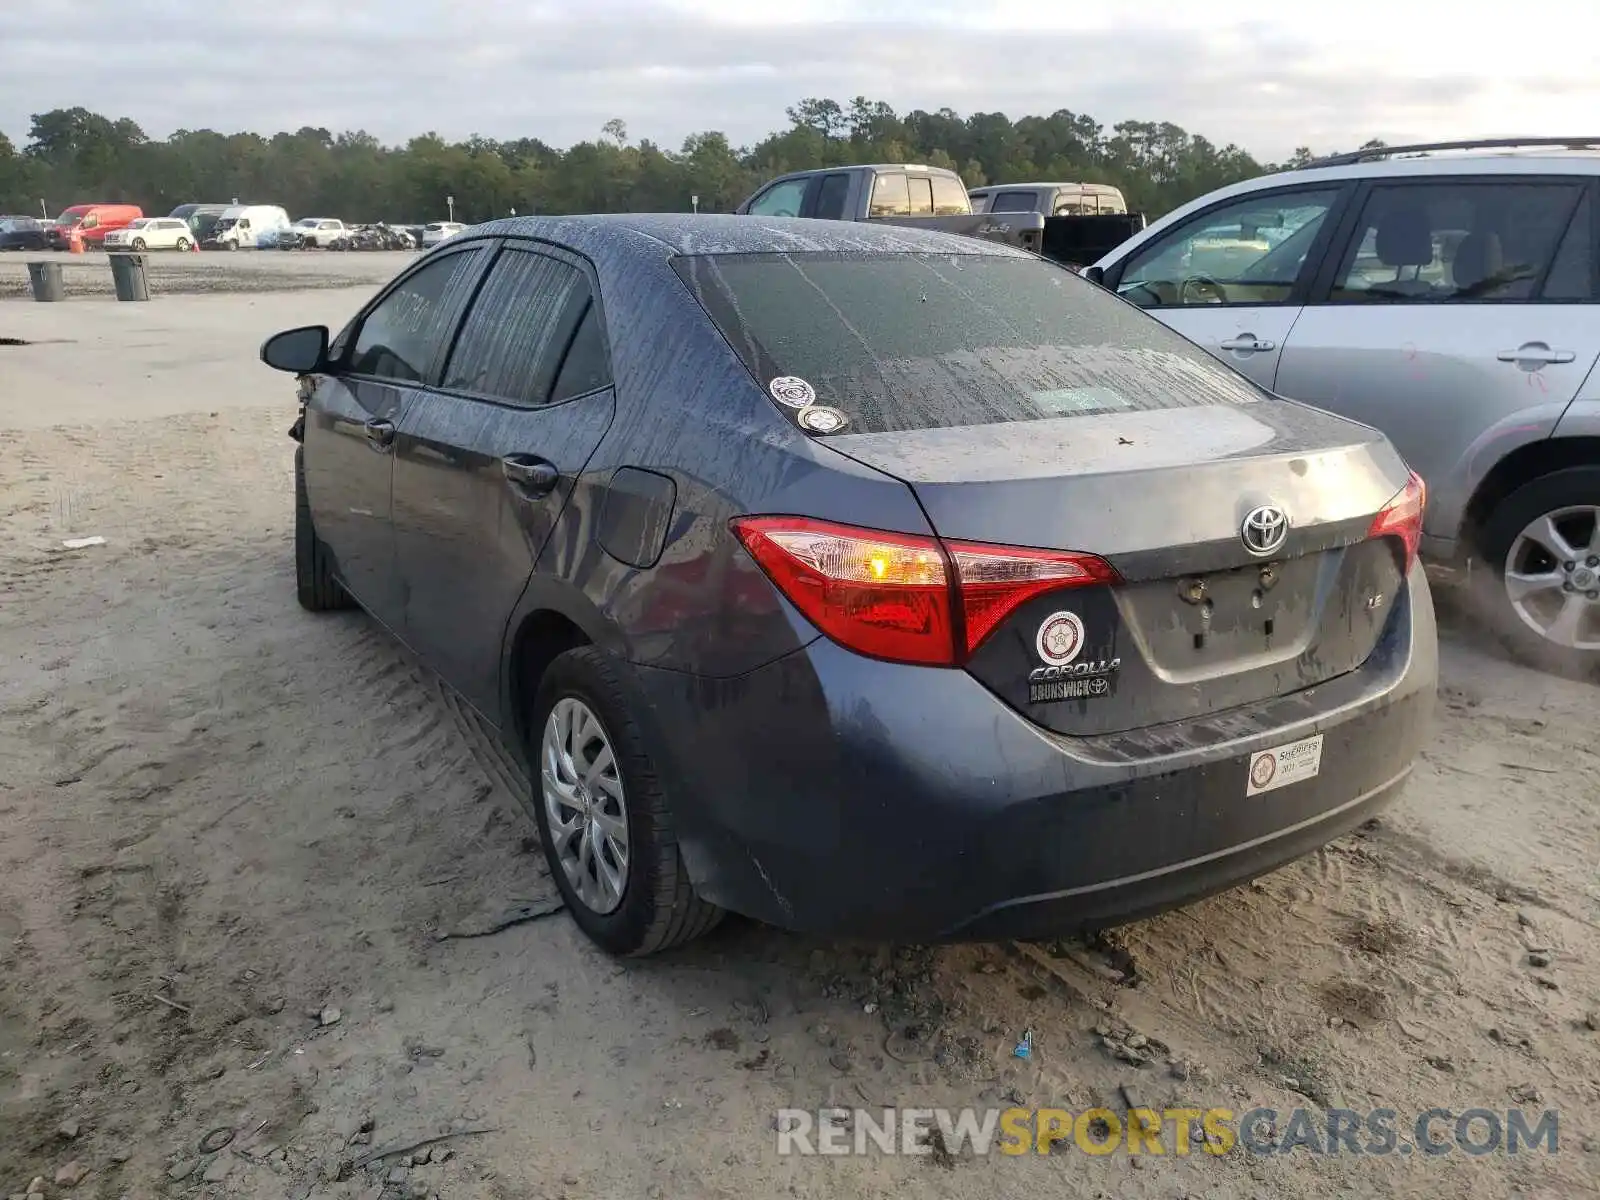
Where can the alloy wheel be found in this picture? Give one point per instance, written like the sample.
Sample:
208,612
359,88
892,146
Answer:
1552,577
584,804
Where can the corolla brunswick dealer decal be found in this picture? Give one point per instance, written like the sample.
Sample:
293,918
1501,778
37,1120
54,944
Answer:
1063,677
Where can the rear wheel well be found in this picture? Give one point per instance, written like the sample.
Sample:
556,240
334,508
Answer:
540,639
1522,466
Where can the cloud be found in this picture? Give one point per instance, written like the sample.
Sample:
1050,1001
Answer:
559,71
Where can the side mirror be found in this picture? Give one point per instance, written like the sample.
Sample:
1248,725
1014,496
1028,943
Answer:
1095,275
302,351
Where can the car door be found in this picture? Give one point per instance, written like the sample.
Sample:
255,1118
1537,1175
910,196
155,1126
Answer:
1457,316
485,462
1232,277
379,362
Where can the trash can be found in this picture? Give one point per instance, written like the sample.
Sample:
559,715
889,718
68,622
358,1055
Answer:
127,274
46,280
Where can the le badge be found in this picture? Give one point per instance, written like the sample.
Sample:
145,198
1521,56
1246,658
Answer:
1064,676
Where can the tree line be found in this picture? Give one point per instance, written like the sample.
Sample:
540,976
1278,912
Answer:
73,155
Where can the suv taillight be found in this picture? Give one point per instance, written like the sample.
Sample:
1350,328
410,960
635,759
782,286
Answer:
906,597
1402,518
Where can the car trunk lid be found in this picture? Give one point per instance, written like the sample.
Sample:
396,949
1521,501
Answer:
1200,622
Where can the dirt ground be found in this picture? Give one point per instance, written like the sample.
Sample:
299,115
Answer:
249,859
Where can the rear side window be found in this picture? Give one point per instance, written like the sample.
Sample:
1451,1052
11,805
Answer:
1573,273
831,197
399,338
921,341
587,366
513,337
1433,242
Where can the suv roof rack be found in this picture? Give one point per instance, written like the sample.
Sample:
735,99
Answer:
1381,152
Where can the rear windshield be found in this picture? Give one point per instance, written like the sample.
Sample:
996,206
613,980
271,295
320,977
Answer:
920,341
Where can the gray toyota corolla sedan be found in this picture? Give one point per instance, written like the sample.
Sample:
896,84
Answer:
863,580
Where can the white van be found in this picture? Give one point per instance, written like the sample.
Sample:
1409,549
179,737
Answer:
244,225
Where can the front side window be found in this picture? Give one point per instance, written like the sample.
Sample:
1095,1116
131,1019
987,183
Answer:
520,323
923,341
1249,251
399,338
781,199
1433,241
891,197
91,221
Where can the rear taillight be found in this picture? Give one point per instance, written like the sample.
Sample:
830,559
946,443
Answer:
1402,518
905,597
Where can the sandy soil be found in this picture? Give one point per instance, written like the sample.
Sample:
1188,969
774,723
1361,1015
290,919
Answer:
221,819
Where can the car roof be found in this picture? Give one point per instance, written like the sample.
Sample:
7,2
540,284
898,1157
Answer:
665,234
1023,187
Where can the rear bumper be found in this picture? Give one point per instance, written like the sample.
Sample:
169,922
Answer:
833,794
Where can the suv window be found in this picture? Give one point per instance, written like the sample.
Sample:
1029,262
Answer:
398,339
1430,241
950,197
925,341
781,199
890,197
1574,273
513,337
587,366
1249,251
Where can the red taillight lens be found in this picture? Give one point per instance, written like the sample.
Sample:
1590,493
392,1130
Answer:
996,580
1402,518
905,597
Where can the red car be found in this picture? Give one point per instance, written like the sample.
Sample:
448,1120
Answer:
93,222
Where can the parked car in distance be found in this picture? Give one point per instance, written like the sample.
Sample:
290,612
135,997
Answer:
1451,300
439,231
201,218
23,233
91,222
311,233
1049,199
243,227
932,198
760,560
152,233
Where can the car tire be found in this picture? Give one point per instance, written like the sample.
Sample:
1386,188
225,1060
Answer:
138,245
1503,545
316,586
658,908
181,245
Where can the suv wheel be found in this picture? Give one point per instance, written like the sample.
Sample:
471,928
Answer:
1542,588
315,585
602,813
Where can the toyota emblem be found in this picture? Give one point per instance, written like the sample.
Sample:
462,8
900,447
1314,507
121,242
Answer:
1265,529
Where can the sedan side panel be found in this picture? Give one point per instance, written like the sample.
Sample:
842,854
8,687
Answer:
467,535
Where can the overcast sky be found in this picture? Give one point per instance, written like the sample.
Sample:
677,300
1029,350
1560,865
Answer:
1269,76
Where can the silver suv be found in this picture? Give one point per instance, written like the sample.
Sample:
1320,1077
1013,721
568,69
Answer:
1449,295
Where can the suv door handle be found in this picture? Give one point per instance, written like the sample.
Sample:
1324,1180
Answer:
1248,341
1536,352
530,475
380,432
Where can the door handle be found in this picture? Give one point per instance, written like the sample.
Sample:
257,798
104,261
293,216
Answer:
380,432
530,475
1247,341
1536,352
